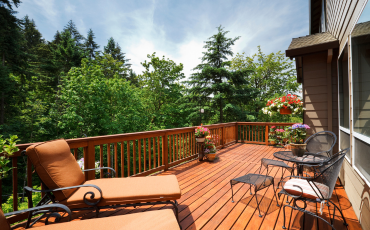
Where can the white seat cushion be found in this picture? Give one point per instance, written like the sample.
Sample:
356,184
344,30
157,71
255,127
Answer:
308,191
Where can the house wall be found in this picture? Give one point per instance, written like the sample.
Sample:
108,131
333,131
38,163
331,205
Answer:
341,19
341,16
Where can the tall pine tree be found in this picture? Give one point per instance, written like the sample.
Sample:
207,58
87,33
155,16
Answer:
90,45
114,49
214,84
76,36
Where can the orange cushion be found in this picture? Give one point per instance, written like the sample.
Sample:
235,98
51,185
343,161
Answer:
56,166
129,190
3,222
308,192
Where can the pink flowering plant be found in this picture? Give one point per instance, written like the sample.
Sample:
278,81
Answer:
209,145
298,133
201,131
272,128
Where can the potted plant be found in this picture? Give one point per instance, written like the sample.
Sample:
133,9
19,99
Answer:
210,148
279,133
298,133
289,104
286,135
272,129
200,133
7,148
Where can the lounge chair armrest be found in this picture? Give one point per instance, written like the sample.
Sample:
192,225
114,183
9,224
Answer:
114,171
41,209
92,194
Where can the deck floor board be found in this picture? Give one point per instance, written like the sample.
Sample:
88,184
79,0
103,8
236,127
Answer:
206,196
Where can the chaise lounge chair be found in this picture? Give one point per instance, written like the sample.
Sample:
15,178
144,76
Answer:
153,220
65,183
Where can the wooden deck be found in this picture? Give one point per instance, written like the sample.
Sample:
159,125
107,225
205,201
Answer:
206,196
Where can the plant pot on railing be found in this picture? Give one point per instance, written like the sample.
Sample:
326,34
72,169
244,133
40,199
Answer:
285,111
298,149
200,139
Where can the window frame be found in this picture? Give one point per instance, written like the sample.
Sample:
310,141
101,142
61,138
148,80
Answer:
345,130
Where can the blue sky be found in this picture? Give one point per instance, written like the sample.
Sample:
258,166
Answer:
174,28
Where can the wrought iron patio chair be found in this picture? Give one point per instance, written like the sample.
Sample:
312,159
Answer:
321,143
318,189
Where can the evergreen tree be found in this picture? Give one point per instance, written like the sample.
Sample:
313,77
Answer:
31,34
90,45
214,84
10,55
114,49
76,36
57,38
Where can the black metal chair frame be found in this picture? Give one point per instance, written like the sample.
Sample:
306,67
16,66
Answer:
256,188
50,198
276,163
327,152
327,164
50,210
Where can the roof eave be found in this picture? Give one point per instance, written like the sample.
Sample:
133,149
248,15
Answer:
311,49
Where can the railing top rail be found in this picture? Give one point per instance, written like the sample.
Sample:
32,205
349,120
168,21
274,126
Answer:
83,142
97,140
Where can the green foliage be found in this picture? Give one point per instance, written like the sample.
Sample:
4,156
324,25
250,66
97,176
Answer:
7,149
272,74
96,104
22,203
160,82
90,45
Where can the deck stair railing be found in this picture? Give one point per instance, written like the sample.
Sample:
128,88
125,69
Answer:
145,153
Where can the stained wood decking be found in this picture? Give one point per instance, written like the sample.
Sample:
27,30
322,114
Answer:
206,196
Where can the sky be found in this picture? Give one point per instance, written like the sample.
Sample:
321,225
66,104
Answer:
174,28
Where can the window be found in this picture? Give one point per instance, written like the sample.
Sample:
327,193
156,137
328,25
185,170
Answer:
362,158
323,18
344,142
361,78
343,89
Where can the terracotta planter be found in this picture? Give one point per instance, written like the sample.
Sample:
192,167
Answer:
285,139
200,139
211,156
272,143
272,133
285,111
298,149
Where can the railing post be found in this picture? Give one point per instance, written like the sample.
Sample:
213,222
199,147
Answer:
267,135
89,158
15,184
223,136
165,151
236,132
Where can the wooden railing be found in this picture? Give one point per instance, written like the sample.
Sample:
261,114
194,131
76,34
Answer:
145,153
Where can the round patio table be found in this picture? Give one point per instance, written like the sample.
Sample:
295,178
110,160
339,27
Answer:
307,159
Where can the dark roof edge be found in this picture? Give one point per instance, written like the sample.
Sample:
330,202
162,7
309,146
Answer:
312,49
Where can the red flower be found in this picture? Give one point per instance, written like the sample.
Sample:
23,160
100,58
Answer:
289,95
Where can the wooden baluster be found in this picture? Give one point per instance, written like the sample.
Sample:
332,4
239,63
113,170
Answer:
173,148
165,152
75,153
122,160
116,158
134,156
183,145
139,154
101,161
267,135
108,157
15,183
128,159
154,155
29,174
258,133
187,145
144,154
159,155
150,152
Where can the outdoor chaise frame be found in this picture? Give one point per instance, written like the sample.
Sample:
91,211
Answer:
53,210
88,198
327,174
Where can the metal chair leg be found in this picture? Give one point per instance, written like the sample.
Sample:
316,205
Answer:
232,193
258,206
340,211
284,217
